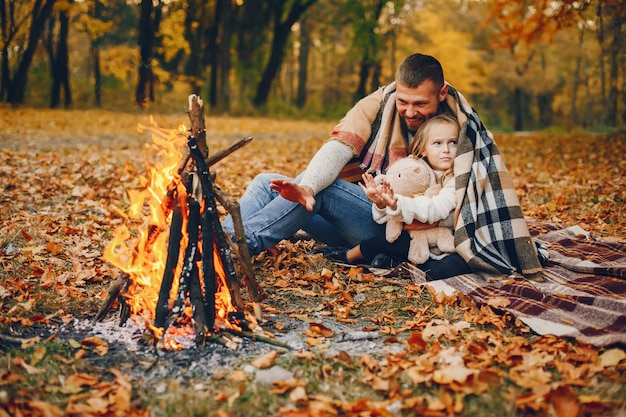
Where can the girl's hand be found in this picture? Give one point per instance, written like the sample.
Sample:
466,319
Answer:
387,196
371,190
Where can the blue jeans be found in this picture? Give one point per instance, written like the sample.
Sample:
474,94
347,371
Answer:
342,215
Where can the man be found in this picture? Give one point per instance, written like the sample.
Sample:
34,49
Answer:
325,199
327,202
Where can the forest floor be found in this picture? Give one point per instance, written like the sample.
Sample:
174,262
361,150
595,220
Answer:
345,334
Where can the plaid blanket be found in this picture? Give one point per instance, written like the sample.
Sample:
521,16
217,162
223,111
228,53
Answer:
582,294
490,231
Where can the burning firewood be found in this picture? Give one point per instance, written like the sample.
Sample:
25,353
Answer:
203,266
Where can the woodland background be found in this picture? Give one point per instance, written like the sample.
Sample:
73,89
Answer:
524,64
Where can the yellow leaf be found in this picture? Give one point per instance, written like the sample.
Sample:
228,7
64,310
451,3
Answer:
265,361
454,373
38,355
238,376
612,357
73,343
299,396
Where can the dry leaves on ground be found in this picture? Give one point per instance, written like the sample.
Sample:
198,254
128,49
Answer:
65,178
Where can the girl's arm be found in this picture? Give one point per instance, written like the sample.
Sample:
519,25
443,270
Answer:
425,209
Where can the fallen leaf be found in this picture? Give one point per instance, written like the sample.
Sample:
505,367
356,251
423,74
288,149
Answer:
612,357
31,370
564,402
498,302
38,355
101,347
450,374
298,395
266,360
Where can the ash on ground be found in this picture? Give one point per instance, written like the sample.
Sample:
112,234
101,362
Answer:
132,354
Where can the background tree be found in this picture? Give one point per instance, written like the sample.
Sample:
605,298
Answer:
148,27
611,21
561,60
56,45
366,40
521,25
285,14
38,12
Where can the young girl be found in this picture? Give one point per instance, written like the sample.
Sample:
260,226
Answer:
436,142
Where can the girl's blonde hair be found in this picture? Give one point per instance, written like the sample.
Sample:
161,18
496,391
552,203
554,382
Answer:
418,144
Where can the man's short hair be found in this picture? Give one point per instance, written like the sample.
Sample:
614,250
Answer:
417,68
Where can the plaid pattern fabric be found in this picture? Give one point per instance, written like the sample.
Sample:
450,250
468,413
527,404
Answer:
582,294
490,231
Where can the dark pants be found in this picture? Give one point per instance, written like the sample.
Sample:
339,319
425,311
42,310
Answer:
446,267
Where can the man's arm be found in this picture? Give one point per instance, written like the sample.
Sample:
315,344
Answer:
323,169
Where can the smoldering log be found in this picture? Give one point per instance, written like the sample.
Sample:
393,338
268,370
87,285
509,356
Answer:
173,254
208,268
196,298
191,252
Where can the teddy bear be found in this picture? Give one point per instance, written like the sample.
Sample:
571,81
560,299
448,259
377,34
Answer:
411,176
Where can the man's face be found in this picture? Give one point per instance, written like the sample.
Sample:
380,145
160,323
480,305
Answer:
416,104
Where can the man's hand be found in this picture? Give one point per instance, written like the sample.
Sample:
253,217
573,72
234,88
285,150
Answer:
291,191
419,226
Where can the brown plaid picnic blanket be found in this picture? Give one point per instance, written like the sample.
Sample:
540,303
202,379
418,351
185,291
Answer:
583,293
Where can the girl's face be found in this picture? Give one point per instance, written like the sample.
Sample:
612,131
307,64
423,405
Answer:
440,147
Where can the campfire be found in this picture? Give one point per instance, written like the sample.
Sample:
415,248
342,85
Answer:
182,273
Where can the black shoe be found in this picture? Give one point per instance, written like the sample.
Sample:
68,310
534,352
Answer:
334,253
383,261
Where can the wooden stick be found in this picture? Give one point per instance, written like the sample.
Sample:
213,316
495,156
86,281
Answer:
115,290
213,159
196,298
208,270
196,118
242,251
173,253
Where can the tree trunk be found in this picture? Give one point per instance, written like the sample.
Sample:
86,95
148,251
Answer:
60,65
544,101
615,52
518,107
212,50
223,104
303,63
42,10
94,52
282,29
364,71
196,13
148,26
573,116
4,32
600,33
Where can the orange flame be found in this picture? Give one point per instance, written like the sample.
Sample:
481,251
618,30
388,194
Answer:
143,254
